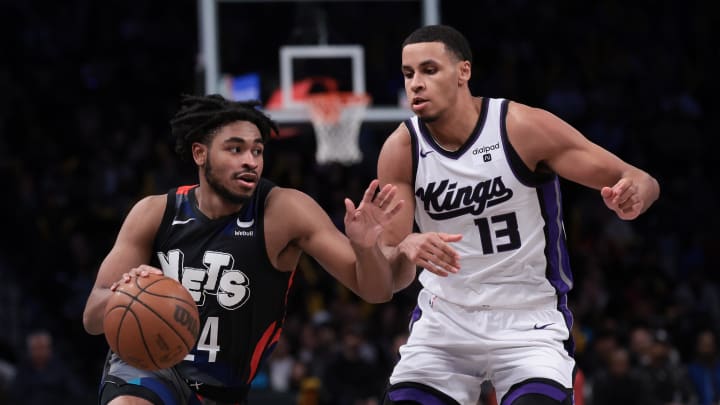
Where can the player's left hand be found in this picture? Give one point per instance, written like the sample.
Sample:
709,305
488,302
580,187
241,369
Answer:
364,224
142,270
624,199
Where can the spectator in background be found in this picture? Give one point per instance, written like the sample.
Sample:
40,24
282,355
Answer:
704,369
7,370
42,378
667,379
641,341
352,377
600,347
618,383
579,387
280,366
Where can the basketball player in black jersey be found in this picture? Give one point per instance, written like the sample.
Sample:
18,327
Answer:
234,241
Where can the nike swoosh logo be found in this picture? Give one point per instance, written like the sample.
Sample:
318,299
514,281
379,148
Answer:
183,221
425,153
536,326
245,224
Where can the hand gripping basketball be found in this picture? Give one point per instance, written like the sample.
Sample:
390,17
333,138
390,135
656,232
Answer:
151,322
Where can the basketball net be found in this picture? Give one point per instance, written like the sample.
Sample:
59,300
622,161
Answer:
336,118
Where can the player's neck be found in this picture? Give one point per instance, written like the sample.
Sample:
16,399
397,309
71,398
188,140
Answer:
455,126
213,205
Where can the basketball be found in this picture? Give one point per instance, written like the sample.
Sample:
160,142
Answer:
151,322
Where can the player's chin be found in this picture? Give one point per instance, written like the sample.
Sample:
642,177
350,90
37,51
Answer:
238,195
426,117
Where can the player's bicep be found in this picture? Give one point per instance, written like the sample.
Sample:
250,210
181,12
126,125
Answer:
542,138
588,164
395,167
133,244
132,248
319,238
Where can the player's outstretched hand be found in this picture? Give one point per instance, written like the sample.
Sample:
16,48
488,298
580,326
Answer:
623,198
364,224
142,270
431,251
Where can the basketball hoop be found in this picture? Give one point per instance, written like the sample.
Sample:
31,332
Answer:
336,119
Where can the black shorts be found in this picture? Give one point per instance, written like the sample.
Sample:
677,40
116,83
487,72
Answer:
161,387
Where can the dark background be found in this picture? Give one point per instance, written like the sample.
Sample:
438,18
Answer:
87,89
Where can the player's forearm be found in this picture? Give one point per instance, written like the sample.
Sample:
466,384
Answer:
95,311
374,274
403,269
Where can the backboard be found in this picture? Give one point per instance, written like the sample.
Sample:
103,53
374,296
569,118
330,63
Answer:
350,58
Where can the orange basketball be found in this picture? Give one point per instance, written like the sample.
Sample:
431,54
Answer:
151,322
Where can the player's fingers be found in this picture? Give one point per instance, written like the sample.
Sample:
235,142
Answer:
629,202
395,208
606,192
370,191
433,268
144,270
635,205
621,186
349,209
627,195
442,256
442,243
450,237
447,263
442,248
385,196
448,258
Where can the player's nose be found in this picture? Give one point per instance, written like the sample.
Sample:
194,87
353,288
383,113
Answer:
416,83
248,159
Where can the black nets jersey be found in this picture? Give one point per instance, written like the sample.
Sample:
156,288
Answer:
241,297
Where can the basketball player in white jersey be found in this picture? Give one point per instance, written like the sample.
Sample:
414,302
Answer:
481,179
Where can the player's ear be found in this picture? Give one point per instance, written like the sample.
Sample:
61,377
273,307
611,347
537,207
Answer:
199,153
464,72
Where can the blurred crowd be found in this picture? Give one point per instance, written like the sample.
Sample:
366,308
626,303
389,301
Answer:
88,89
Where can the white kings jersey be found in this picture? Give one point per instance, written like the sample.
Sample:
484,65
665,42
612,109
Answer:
513,252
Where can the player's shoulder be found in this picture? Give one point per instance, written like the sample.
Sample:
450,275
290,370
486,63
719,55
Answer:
395,160
148,207
145,216
293,211
153,201
526,117
398,142
399,137
287,201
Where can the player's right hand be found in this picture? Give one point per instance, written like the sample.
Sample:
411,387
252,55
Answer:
431,251
142,270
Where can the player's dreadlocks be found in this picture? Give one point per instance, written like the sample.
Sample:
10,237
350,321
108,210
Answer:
199,117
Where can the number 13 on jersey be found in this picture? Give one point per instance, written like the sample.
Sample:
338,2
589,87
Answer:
498,233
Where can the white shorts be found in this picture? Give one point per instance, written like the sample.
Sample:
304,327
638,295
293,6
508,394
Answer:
454,349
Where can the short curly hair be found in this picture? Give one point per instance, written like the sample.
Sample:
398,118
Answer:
199,117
